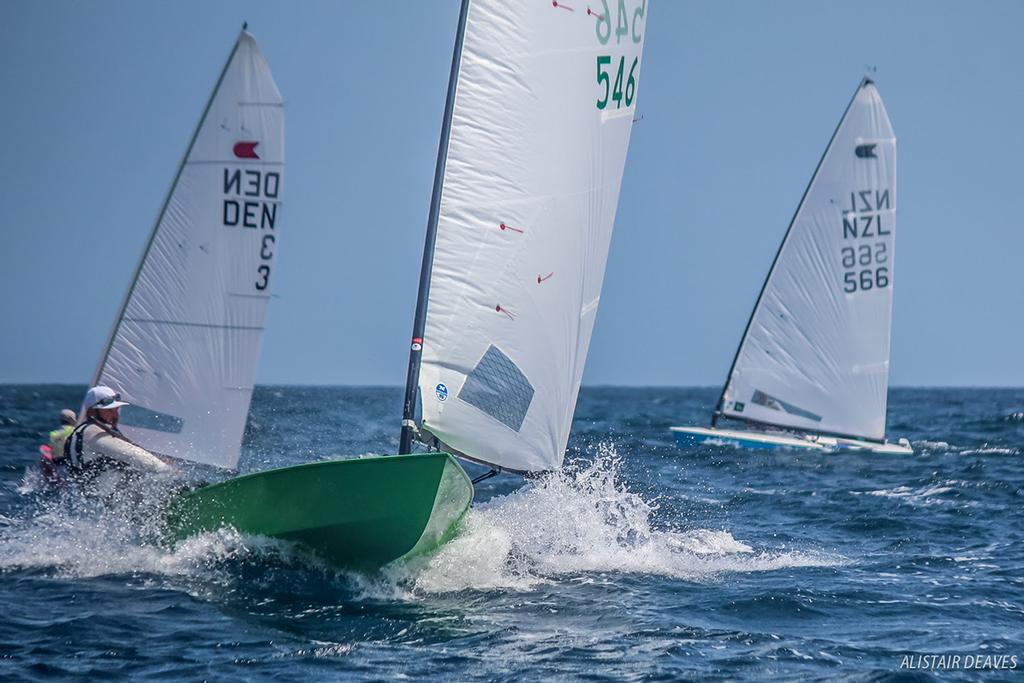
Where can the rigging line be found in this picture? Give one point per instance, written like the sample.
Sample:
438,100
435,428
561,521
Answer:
486,475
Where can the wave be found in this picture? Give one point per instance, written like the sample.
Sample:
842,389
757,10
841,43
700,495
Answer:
945,492
65,534
577,523
921,495
925,447
580,521
990,450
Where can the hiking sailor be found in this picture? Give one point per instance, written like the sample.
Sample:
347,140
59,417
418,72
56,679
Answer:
58,436
97,444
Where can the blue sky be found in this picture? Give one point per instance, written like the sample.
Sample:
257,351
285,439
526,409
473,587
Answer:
738,101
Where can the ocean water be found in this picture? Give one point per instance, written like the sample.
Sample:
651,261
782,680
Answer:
640,561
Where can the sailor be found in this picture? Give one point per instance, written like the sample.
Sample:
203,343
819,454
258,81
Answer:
59,436
97,444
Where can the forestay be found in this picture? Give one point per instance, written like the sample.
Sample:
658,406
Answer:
816,352
543,109
185,347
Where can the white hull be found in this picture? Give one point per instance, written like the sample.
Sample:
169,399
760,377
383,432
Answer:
689,436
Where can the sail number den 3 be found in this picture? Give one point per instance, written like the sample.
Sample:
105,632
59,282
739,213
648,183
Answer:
251,201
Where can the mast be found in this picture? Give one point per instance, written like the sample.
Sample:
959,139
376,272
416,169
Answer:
717,412
163,210
420,319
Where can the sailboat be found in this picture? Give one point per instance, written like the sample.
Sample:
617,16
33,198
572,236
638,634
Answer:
185,345
812,368
526,186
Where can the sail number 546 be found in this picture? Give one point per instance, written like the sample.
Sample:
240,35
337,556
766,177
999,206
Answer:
617,93
623,25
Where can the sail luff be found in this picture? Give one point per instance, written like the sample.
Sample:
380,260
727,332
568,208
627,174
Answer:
160,216
719,406
420,318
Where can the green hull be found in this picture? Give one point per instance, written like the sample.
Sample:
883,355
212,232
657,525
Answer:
360,513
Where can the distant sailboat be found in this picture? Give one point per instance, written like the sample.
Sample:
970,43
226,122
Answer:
526,186
812,368
186,343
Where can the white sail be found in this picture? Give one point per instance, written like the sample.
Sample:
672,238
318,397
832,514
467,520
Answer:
816,352
185,347
542,114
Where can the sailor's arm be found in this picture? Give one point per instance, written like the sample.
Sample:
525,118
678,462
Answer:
123,451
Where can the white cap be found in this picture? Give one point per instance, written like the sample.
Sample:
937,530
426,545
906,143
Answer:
102,397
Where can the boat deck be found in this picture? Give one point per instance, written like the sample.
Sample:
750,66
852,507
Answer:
774,440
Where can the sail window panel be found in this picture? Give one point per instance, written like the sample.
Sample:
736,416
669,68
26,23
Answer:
499,388
763,399
144,418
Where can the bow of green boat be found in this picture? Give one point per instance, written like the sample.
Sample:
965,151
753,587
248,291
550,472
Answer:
360,513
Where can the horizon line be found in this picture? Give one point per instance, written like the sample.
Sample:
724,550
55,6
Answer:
583,386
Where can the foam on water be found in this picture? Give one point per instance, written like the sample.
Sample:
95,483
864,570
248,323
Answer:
922,495
582,520
925,447
990,450
68,535
955,493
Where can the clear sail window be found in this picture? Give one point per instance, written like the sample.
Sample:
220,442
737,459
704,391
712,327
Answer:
499,388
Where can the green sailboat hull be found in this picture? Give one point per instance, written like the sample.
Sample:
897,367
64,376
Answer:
360,513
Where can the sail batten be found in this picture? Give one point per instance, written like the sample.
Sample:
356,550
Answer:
525,210
185,345
815,354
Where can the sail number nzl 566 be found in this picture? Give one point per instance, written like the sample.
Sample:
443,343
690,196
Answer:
867,224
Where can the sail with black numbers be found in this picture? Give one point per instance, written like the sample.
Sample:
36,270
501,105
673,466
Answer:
815,354
185,346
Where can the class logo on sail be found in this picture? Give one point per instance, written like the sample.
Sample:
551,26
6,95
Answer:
246,149
866,151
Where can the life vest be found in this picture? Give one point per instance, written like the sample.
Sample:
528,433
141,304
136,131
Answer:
58,438
73,448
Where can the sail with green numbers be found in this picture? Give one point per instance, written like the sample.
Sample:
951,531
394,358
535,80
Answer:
525,192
